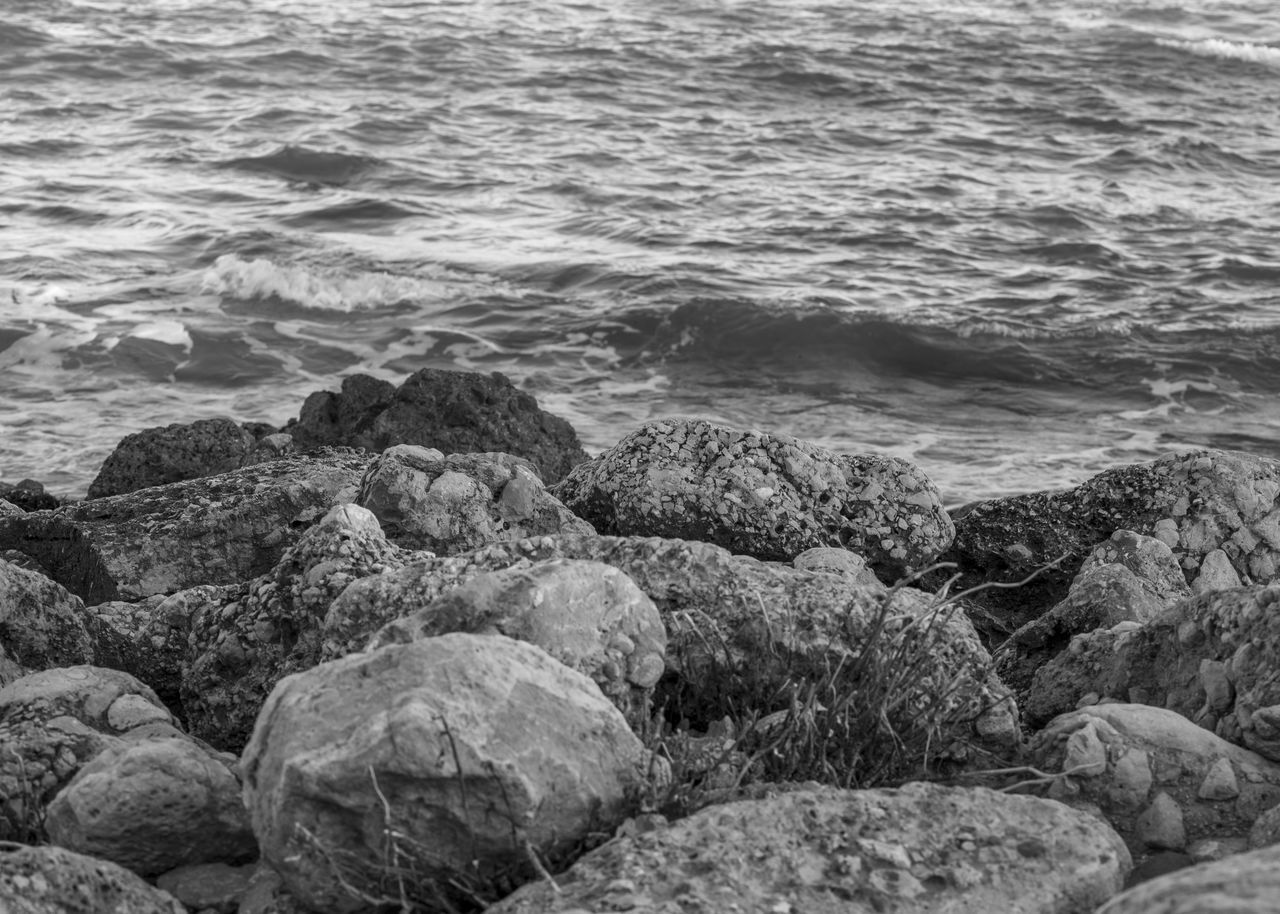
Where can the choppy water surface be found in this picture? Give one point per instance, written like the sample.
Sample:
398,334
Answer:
1013,242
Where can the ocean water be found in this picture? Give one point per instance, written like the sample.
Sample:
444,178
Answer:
1013,242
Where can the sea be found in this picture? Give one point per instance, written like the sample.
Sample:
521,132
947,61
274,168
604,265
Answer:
1012,242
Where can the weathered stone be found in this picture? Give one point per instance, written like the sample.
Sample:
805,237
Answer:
216,530
1240,884
41,625
457,750
922,849
453,411
836,561
147,639
161,455
459,503
767,496
52,880
28,495
1216,573
205,887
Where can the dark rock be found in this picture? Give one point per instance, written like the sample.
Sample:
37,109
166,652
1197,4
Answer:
161,455
28,495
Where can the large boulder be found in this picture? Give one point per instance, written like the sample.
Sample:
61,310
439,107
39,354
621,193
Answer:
448,761
161,455
41,624
52,880
767,496
459,503
1240,884
452,411
920,849
216,530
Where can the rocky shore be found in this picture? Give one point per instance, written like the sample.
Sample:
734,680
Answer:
418,651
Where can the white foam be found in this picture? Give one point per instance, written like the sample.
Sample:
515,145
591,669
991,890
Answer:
312,288
1228,50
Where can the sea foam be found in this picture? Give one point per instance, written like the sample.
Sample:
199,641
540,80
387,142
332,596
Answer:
313,288
1228,50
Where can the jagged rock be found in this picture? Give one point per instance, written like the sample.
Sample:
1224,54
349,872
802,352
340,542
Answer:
151,806
41,625
52,880
589,616
28,495
462,747
1128,578
1212,658
243,639
453,411
459,503
147,639
1240,884
208,887
216,530
9,509
1161,781
1195,502
767,496
920,849
164,454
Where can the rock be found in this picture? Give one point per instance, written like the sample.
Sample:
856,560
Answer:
28,495
161,455
51,880
836,561
1162,782
1195,502
147,639
41,625
1240,884
244,639
453,411
9,509
589,616
151,806
1266,829
767,496
1216,573
919,849
458,750
216,530
267,894
208,886
459,503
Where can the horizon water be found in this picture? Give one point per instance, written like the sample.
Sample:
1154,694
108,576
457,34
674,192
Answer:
1012,242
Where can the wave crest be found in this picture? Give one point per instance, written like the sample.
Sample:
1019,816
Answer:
315,290
1227,50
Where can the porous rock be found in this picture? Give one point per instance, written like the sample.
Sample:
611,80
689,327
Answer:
1240,884
922,849
41,624
464,746
53,880
215,530
452,411
767,496
173,453
459,503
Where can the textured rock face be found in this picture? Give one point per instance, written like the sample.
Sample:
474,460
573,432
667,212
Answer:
453,411
27,495
919,849
1196,503
158,456
147,639
151,806
1161,781
51,880
766,496
41,625
1240,884
1211,658
455,744
459,503
217,530
589,616
244,639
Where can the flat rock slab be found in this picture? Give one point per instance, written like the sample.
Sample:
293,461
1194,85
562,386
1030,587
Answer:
1240,884
920,849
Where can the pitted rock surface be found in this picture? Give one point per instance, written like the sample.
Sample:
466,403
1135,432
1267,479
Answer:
1239,884
41,624
464,741
53,880
165,454
244,639
453,411
459,503
216,530
767,496
920,849
1132,760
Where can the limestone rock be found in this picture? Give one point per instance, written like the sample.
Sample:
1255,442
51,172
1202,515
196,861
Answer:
1161,781
1240,884
52,880
244,639
459,503
151,806
205,887
920,849
459,748
216,530
589,616
453,411
161,455
767,496
41,625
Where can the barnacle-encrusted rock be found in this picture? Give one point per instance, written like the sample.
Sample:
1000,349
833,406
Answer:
768,496
165,454
922,849
53,880
459,503
245,638
216,530
41,625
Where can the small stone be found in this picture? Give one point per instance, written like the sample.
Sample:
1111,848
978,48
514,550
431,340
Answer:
1086,754
1220,782
1161,824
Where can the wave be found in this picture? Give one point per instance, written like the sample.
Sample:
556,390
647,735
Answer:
314,289
310,166
1227,50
